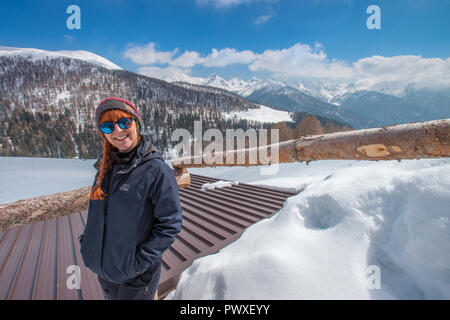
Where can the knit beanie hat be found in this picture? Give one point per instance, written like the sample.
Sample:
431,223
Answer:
117,103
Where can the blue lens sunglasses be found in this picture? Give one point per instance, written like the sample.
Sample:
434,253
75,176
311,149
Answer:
107,127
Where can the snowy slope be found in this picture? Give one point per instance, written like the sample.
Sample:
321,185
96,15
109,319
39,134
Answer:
353,220
262,114
38,54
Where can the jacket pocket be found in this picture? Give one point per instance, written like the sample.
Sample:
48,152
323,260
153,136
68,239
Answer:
118,266
143,266
91,240
87,251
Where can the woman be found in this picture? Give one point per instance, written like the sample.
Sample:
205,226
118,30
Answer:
134,208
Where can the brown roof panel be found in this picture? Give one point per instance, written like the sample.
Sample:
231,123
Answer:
23,286
46,274
36,259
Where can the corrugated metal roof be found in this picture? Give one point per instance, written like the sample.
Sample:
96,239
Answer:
37,260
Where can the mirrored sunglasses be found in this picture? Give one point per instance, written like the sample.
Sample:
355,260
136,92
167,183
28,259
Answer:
107,127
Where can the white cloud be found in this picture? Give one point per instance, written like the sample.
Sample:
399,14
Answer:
148,54
168,73
300,61
263,19
187,60
400,70
228,3
227,56
303,62
69,38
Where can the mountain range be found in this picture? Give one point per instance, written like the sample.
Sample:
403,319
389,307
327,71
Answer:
356,106
48,100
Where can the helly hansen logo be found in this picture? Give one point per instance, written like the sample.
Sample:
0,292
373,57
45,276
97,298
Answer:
124,187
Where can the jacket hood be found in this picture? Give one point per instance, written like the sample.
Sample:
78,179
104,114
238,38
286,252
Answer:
147,150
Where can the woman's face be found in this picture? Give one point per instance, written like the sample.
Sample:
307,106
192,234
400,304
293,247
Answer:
123,139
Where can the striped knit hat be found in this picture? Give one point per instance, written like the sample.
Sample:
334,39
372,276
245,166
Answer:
117,103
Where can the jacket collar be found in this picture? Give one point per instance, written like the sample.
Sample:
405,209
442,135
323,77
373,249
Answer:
144,152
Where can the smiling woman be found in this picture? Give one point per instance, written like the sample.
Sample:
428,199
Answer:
121,133
134,209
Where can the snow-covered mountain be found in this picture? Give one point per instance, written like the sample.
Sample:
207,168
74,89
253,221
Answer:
349,103
48,100
39,88
322,90
436,100
241,87
294,100
32,54
381,109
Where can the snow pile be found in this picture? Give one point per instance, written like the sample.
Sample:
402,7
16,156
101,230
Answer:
262,114
363,223
218,184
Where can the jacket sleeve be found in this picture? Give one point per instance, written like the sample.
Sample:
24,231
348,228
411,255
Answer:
167,219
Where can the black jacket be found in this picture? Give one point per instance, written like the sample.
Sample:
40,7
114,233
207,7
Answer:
127,232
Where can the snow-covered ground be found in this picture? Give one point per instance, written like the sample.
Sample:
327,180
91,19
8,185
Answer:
23,178
358,230
355,230
263,114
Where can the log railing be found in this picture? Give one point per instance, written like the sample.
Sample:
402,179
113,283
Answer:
419,140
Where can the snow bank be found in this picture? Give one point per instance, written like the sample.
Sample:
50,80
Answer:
218,184
329,241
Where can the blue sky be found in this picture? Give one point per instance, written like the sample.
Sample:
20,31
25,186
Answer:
249,36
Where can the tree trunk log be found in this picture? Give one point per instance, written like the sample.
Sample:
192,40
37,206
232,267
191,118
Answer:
419,140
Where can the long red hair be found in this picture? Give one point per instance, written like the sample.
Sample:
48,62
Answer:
106,162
